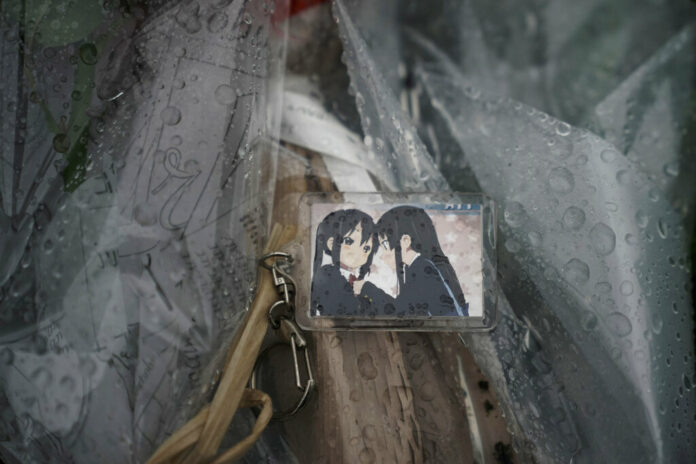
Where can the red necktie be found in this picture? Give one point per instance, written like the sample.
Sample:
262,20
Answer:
352,279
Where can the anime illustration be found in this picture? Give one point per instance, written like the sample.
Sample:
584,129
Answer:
407,246
345,244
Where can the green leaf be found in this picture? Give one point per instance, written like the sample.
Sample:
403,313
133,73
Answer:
76,162
81,95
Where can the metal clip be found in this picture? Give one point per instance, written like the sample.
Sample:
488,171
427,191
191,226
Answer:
294,338
281,279
285,324
290,330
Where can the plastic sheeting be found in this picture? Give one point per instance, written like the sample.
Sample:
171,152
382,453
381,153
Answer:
129,226
594,359
123,277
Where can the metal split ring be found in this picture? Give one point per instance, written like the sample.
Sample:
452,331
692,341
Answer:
296,342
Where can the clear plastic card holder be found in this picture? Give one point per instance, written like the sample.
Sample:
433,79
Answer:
395,261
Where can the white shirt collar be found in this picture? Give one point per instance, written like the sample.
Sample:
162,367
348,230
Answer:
346,273
414,258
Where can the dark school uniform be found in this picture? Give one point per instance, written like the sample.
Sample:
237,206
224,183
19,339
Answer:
332,294
424,293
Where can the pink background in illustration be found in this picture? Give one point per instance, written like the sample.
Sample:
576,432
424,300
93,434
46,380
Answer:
460,239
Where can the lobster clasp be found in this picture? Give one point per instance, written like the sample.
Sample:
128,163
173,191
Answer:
291,332
293,337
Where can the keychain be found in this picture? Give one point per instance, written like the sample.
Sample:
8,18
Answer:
199,440
285,325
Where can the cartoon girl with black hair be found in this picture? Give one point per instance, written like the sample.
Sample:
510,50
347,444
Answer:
348,238
427,283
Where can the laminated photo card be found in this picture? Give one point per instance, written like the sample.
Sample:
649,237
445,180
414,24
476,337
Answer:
398,262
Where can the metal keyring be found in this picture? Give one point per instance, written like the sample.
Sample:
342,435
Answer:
275,321
274,254
296,342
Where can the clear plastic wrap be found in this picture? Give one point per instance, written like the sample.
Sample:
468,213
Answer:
593,357
140,258
141,170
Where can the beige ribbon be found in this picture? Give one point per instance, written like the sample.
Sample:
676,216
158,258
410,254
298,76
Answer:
198,441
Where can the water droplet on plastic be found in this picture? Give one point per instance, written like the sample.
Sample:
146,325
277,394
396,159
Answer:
535,238
366,366
626,288
515,215
563,129
225,95
662,228
416,361
427,391
672,169
217,22
61,143
603,287
577,271
88,53
611,206
573,218
662,408
657,323
369,433
48,246
354,395
171,116
512,245
589,321
641,219
561,180
602,239
608,155
619,324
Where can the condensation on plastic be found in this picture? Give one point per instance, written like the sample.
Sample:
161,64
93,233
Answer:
114,310
593,357
395,148
119,298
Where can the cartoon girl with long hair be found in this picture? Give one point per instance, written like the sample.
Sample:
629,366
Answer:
348,238
427,283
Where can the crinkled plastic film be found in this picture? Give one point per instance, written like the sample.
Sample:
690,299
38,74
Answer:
124,278
129,228
594,291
